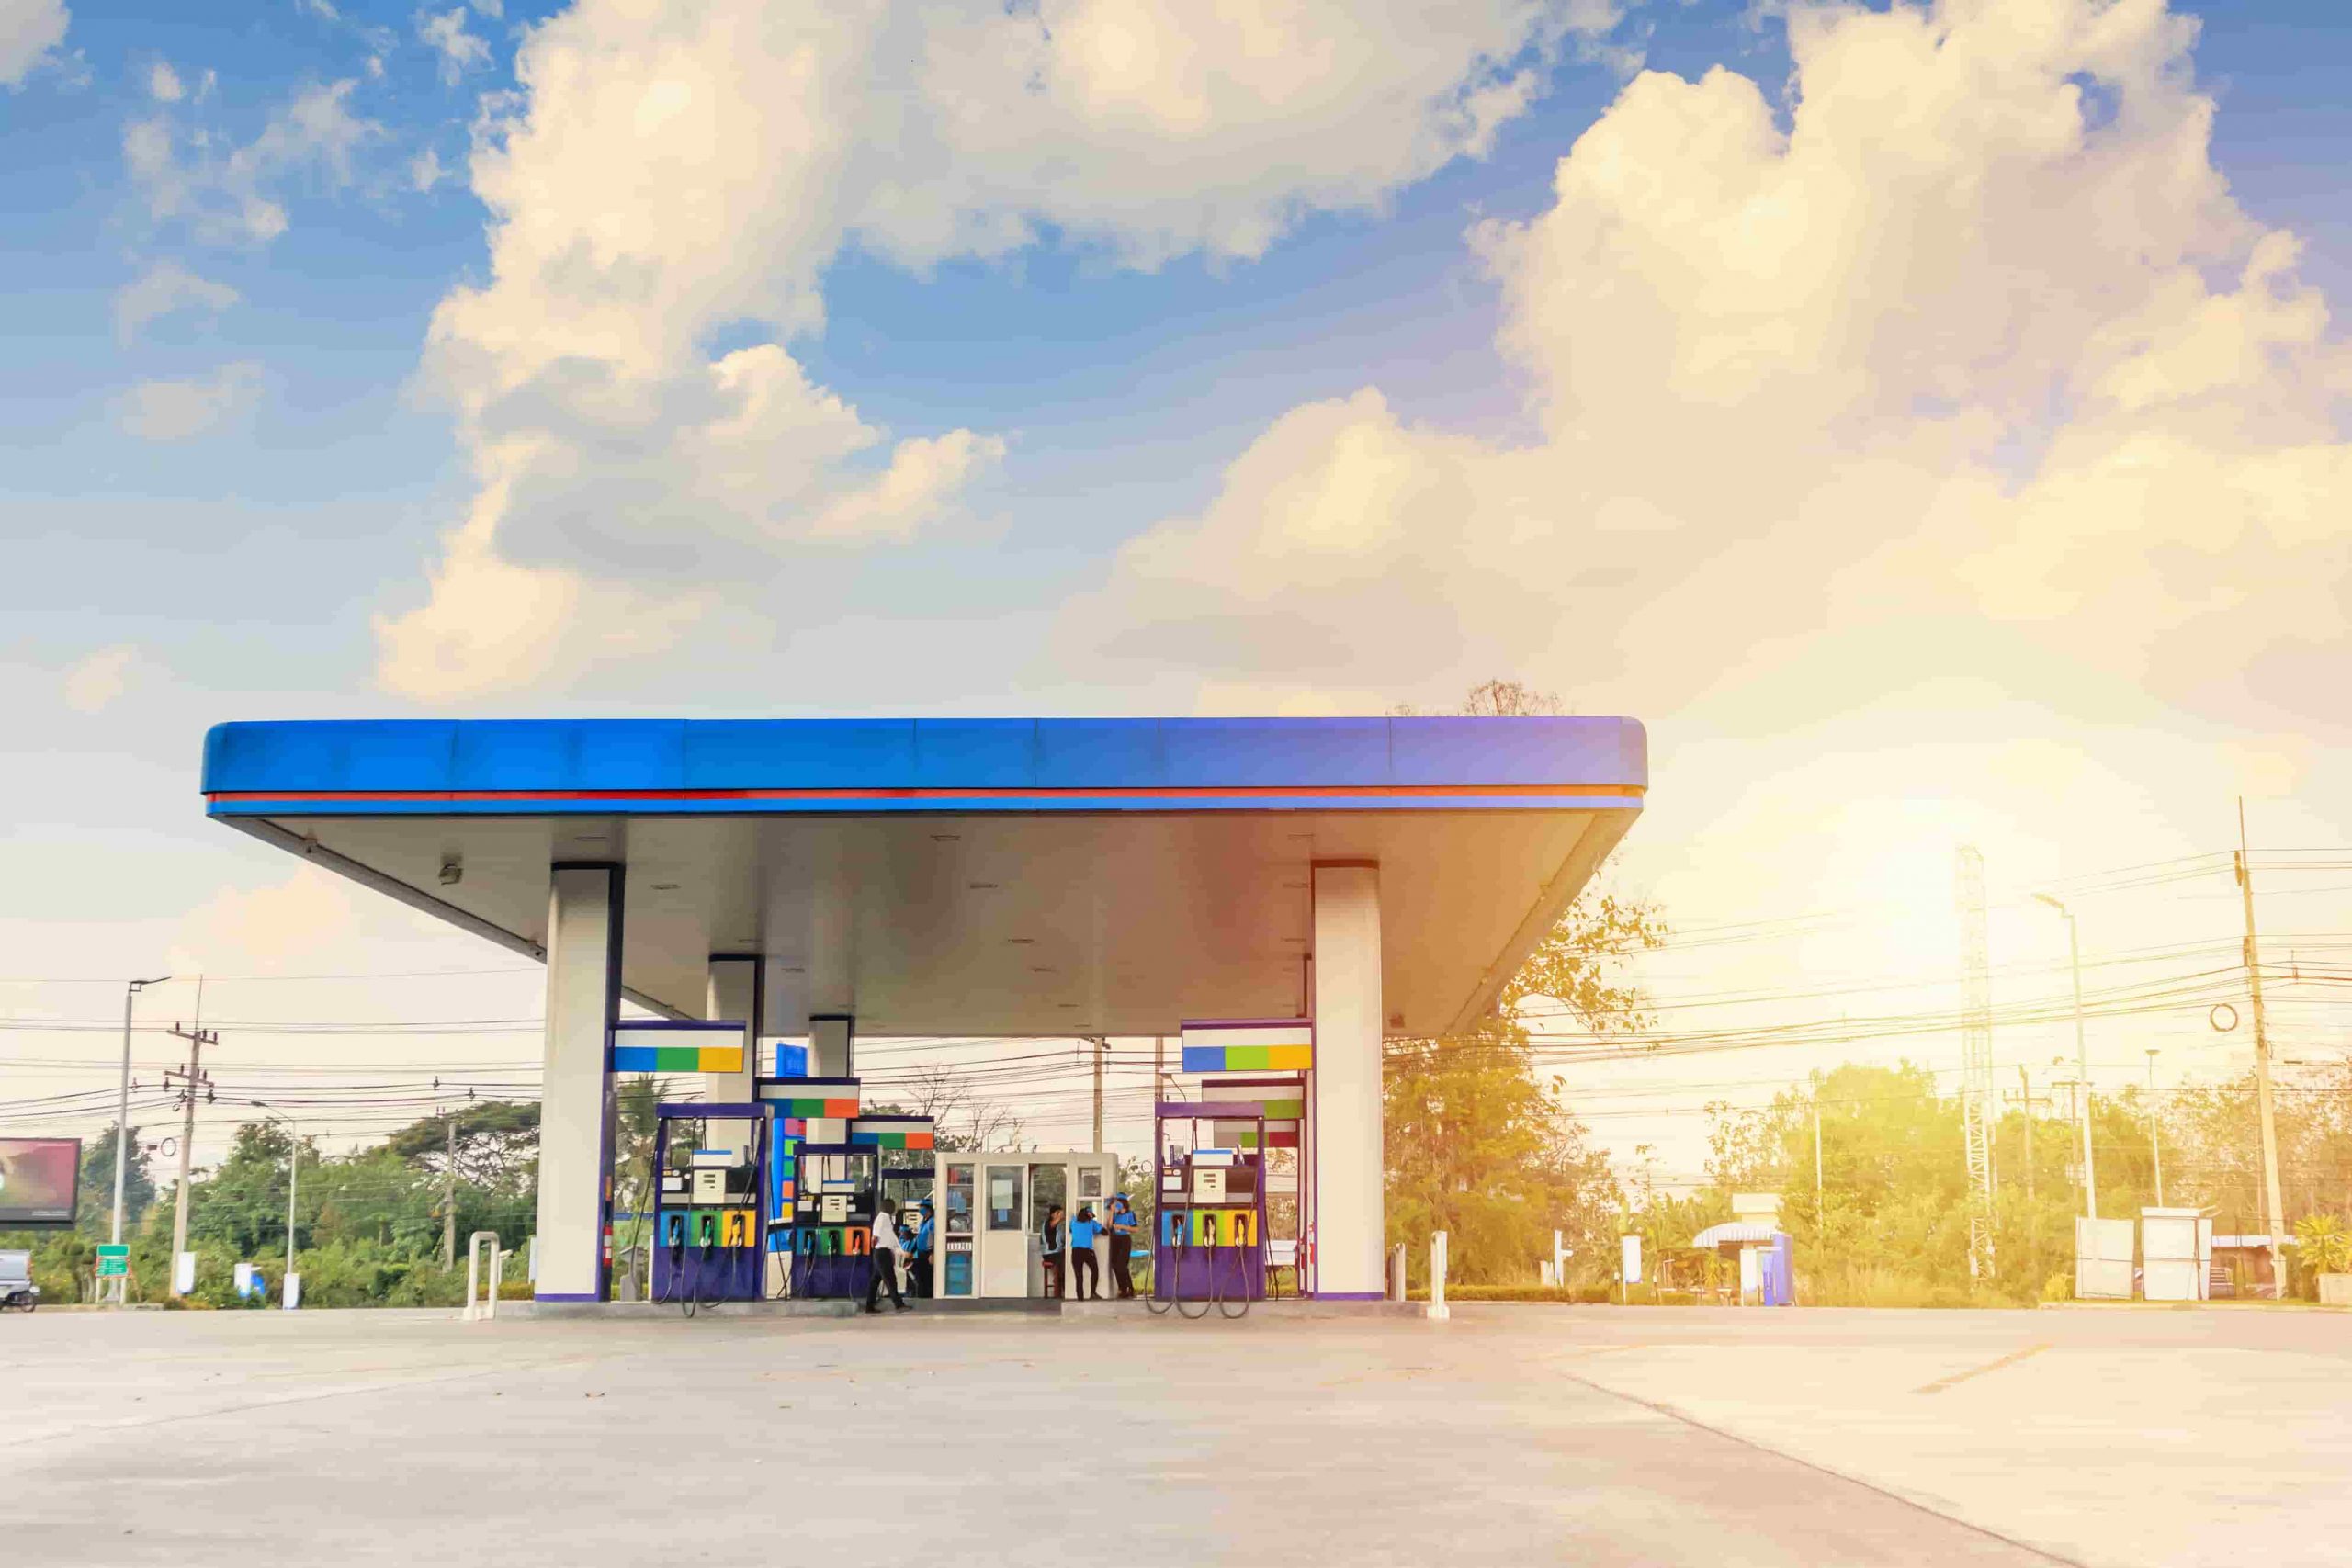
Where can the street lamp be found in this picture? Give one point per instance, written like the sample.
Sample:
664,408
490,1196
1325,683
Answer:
293,1168
2082,1053
2155,1144
122,1121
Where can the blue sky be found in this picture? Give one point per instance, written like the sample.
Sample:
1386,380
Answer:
1179,423
1128,390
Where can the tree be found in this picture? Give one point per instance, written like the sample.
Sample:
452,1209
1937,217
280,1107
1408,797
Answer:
1481,1142
1480,1146
497,1143
635,1125
962,1119
97,1184
243,1204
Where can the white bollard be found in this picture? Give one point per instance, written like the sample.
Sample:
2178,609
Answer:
1397,1290
1437,1275
473,1274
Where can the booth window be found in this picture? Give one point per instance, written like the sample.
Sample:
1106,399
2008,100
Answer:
959,1199
1004,1197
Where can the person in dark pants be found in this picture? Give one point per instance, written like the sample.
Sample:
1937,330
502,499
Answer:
1123,1246
1083,1233
886,1248
919,1262
1050,1238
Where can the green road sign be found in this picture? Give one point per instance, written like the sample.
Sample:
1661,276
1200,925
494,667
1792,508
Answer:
114,1258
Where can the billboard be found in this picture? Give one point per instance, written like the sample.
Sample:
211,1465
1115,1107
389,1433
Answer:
40,1180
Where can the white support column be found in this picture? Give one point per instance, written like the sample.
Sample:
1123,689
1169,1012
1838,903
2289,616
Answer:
575,1096
735,992
832,1045
1348,1165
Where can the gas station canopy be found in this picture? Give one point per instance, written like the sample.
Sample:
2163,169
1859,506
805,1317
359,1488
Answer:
955,877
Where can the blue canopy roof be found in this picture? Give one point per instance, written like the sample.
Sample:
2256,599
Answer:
755,766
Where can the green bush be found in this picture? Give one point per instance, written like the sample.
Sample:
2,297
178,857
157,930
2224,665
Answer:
2322,1247
1883,1287
1565,1296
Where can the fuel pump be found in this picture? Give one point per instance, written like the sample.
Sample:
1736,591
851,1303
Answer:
706,1207
1211,1219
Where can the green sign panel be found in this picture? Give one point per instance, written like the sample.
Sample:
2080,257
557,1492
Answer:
114,1258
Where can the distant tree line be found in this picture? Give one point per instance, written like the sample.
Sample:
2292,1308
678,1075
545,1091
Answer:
372,1227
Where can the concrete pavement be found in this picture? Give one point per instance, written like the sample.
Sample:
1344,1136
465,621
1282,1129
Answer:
1510,1434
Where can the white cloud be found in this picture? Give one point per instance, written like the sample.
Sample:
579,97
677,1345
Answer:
97,680
28,31
310,920
424,171
1974,366
174,410
164,289
924,474
664,175
164,83
445,33
234,196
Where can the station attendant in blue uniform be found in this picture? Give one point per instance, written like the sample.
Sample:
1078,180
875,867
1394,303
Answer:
1084,1231
918,1265
1123,1246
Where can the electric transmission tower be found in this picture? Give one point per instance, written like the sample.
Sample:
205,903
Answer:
1976,1101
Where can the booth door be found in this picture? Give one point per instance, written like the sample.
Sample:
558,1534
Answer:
1004,1230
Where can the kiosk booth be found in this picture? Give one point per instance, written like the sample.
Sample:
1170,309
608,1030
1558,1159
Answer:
991,1209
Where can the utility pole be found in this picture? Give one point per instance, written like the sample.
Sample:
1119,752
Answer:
2155,1140
2082,1053
293,1170
2025,1094
1820,1187
1976,1112
2274,1213
449,1196
1159,1089
191,1080
122,1125
1100,1045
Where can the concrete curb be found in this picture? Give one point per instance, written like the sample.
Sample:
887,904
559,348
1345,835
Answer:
651,1312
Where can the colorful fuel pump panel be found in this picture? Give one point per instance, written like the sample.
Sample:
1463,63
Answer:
1208,1227
1261,1044
644,1058
892,1132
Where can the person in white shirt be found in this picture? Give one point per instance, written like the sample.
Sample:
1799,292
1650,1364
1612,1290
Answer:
887,1250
